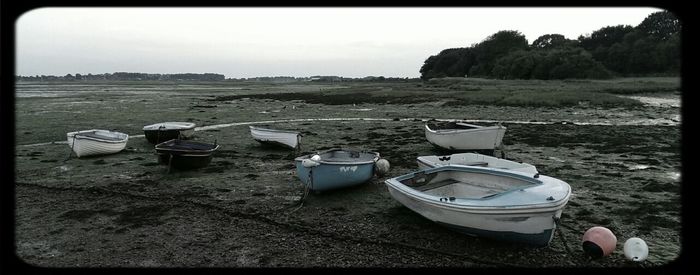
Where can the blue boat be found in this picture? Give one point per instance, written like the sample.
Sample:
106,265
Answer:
487,202
335,168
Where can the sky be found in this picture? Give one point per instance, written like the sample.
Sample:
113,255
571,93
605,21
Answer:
298,42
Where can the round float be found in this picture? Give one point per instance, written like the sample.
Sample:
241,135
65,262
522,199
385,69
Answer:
636,249
599,241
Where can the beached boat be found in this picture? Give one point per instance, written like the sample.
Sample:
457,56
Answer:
284,138
164,131
473,159
464,136
487,202
185,154
96,142
335,168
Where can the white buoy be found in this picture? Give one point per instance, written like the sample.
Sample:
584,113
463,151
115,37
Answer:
308,163
636,249
381,167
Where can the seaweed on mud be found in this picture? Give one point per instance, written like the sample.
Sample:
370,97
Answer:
140,216
84,214
334,98
271,157
214,169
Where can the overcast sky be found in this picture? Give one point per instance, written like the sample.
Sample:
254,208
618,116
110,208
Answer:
250,42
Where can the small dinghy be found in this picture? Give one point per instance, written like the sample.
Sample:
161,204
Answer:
472,159
335,168
96,142
494,203
463,136
164,131
185,154
288,139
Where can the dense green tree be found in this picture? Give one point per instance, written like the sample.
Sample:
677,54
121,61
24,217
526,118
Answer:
652,47
495,46
606,37
660,25
550,41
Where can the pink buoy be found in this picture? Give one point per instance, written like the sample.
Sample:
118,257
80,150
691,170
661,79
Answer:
599,241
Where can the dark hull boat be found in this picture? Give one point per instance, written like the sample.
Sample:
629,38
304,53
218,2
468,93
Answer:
184,155
160,132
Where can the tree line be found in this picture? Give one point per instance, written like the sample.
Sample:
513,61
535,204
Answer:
650,48
124,76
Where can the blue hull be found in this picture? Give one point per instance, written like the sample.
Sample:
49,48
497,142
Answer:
333,176
540,240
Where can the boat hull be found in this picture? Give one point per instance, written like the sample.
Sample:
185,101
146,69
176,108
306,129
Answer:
472,159
535,229
158,136
329,175
161,132
483,138
86,146
524,213
287,139
185,155
183,161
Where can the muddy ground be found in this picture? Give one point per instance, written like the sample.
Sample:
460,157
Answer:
243,210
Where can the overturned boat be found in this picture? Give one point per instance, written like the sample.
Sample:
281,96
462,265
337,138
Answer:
164,131
486,202
473,159
284,138
335,168
185,154
96,142
463,136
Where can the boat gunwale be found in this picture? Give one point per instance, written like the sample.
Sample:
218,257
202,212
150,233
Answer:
164,147
460,131
77,135
422,160
487,210
396,184
375,158
178,126
274,130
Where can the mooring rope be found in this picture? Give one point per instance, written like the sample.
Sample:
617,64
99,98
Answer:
71,149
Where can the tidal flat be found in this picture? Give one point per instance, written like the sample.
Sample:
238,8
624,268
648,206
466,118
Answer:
616,146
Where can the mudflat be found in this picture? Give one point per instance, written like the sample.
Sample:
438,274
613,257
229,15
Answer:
617,143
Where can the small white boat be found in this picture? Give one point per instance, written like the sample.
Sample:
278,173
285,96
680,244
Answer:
164,131
473,159
96,142
487,202
464,136
284,138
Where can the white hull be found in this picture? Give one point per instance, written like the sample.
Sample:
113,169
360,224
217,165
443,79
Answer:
481,138
164,126
472,159
96,142
525,215
536,222
287,138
